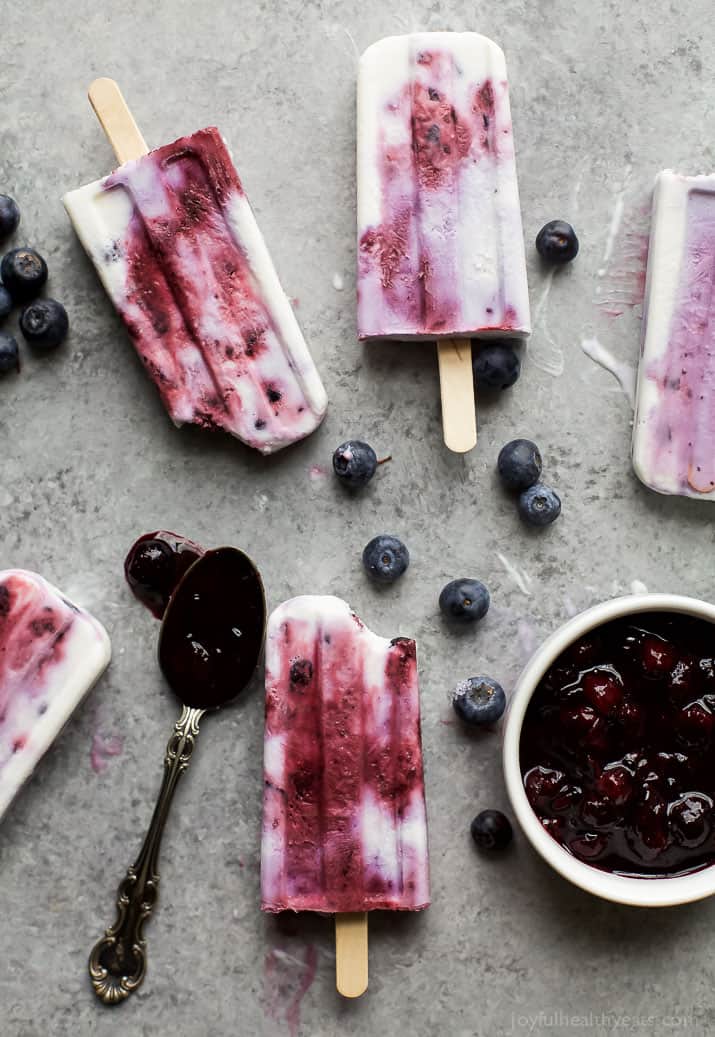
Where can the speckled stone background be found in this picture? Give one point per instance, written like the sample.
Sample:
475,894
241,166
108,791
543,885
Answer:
603,96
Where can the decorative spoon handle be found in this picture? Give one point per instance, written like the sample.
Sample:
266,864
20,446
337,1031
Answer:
117,964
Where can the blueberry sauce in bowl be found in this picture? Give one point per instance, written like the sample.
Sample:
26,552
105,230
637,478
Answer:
617,746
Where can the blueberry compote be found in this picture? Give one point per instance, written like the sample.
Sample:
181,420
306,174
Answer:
618,746
155,564
212,634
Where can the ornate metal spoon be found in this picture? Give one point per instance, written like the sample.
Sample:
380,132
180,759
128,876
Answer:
210,642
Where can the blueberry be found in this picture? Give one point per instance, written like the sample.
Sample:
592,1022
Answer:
354,463
44,323
557,242
496,366
479,700
9,355
519,464
464,601
5,302
385,558
491,830
690,817
23,272
9,215
539,505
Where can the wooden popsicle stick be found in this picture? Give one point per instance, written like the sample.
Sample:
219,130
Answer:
116,120
456,383
351,954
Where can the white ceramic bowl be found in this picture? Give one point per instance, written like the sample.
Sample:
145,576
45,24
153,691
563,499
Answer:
641,892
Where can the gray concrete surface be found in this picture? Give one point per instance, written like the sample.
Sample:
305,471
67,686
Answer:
603,95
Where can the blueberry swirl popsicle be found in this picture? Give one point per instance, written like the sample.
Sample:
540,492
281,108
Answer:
177,248
51,653
674,425
344,823
440,242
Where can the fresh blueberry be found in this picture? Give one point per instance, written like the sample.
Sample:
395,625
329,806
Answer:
9,354
491,830
519,464
23,272
539,505
44,323
464,601
354,463
496,366
5,302
479,700
385,558
9,215
557,242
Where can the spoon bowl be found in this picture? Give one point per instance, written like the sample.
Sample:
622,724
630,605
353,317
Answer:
212,634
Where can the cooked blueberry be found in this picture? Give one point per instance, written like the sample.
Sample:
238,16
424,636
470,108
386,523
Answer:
577,720
479,700
539,505
598,812
707,672
149,569
585,651
597,737
567,798
651,826
683,680
690,818
542,784
590,846
694,726
495,365
385,558
44,323
554,826
9,215
23,272
354,463
5,302
9,354
519,464
557,242
615,784
491,830
464,601
602,690
632,719
658,656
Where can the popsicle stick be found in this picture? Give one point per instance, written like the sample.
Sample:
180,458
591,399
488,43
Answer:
351,954
459,412
116,120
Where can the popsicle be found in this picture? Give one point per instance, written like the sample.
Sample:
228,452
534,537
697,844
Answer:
344,824
440,242
51,653
178,250
674,425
